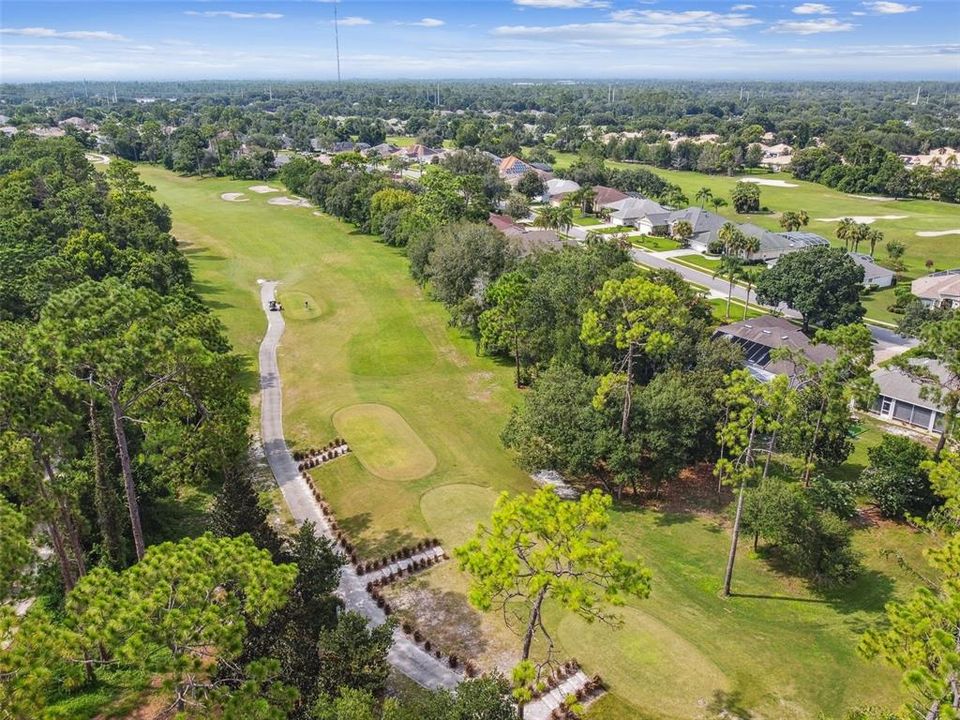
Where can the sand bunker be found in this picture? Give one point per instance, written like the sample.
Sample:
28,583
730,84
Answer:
296,202
771,183
878,198
318,213
263,189
937,233
865,219
233,197
97,159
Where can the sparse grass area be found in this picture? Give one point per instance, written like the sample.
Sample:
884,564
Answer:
369,336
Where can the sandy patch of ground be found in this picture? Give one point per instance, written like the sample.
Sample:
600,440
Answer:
480,386
937,233
318,213
263,189
296,202
97,158
770,183
865,219
233,197
878,198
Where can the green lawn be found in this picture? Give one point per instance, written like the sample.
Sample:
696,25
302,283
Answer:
719,306
699,262
586,221
367,337
656,244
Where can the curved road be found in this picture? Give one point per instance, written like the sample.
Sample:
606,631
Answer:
405,655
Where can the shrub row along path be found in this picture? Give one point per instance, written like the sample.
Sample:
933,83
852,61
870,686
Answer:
405,655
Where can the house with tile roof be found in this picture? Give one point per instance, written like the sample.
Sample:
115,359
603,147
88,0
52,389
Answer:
760,336
939,289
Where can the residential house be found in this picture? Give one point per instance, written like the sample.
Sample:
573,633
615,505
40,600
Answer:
558,188
382,150
899,400
635,211
506,225
939,289
706,226
606,196
513,168
534,241
420,153
773,245
937,159
873,275
760,336
776,157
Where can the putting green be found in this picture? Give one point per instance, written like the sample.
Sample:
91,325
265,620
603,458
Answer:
646,663
383,442
453,511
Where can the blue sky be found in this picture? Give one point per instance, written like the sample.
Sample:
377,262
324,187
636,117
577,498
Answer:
562,39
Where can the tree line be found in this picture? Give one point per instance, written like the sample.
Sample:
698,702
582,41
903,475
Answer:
118,393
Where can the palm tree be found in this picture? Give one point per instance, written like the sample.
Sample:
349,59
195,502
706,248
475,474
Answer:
682,231
717,202
845,231
704,195
750,277
584,199
860,234
874,236
731,268
749,245
793,220
563,216
546,218
731,237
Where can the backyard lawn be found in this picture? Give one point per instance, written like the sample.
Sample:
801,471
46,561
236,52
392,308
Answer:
366,355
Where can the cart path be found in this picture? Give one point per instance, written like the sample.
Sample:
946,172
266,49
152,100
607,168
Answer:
405,655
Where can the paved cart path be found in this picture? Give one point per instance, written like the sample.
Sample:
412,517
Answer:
405,655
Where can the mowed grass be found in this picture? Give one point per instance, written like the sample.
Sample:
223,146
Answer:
366,335
384,443
353,315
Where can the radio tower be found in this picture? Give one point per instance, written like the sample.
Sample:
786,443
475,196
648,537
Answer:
336,35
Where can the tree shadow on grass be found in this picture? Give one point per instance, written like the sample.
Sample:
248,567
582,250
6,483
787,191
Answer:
728,705
384,544
198,252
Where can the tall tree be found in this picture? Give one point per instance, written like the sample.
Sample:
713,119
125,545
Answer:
921,635
751,410
821,283
731,268
539,547
502,324
639,317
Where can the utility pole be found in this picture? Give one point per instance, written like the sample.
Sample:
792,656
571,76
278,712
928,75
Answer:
336,35
438,94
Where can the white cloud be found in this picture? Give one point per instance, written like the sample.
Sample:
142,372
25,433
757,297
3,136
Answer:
354,20
703,20
811,27
609,34
813,9
741,8
42,32
884,7
563,4
235,15
428,22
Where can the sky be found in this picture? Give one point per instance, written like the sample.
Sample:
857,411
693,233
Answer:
549,39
